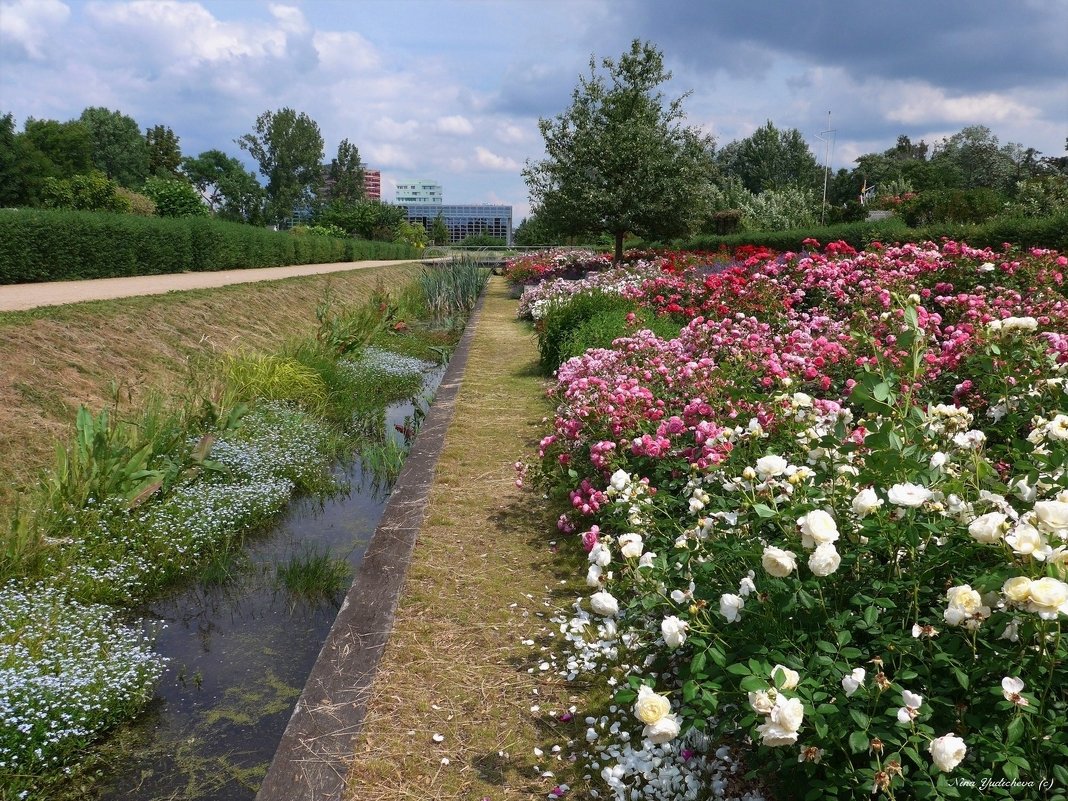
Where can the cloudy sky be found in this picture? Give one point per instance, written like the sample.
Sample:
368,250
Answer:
451,90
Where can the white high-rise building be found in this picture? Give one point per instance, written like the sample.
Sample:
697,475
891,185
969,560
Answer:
418,193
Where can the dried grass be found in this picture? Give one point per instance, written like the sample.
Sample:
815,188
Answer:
483,579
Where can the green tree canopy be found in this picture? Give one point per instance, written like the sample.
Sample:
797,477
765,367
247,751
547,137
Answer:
439,232
231,191
345,174
118,148
164,152
289,149
619,158
771,159
175,197
65,144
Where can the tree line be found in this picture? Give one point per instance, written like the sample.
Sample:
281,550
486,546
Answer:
621,161
102,161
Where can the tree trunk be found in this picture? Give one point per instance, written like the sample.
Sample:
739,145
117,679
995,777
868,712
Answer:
619,246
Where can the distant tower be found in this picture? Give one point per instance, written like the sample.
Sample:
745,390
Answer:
372,183
419,193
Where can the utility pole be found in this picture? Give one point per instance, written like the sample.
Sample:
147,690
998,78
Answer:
828,154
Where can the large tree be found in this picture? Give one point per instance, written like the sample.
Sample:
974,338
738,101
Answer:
619,159
289,149
65,144
771,159
164,152
118,148
345,174
231,191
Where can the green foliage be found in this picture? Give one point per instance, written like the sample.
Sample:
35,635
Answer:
439,232
345,174
164,152
726,222
1039,197
1043,232
66,145
118,148
770,159
315,574
451,290
952,206
412,234
44,245
383,460
140,205
366,219
252,376
289,149
231,192
345,331
534,230
604,327
619,159
849,212
563,321
90,192
175,197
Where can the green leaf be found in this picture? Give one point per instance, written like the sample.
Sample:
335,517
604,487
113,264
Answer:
739,669
753,683
858,742
689,690
763,510
1014,731
961,677
881,392
860,718
697,664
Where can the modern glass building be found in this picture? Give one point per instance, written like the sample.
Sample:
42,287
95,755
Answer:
463,221
418,192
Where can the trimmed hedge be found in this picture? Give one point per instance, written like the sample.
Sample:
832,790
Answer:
58,245
1043,232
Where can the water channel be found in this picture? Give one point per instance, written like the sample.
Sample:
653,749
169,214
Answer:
240,652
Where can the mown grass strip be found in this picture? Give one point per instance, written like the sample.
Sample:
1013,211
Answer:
484,578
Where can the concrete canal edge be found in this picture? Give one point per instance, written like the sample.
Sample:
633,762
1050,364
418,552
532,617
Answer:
313,758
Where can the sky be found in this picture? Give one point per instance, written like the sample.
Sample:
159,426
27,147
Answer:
452,90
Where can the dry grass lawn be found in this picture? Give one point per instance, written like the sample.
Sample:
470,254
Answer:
483,579
96,353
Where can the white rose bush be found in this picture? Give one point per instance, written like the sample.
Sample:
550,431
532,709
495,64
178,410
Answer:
846,522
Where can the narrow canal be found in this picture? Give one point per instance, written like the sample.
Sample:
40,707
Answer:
240,650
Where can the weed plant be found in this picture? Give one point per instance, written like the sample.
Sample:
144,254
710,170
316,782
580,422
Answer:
314,574
451,290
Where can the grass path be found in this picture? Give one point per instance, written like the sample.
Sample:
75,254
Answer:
483,579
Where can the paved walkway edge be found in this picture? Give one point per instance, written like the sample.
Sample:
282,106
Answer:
313,758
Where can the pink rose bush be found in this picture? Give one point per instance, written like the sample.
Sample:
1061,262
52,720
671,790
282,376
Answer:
832,517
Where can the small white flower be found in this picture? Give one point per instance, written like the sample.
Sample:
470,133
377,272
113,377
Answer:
620,480
854,681
788,678
824,560
909,495
817,528
947,751
770,466
674,631
866,502
604,603
1011,687
988,528
937,460
777,562
663,731
730,606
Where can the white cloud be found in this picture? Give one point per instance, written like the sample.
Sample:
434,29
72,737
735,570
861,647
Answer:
383,157
923,104
491,161
389,128
30,25
457,125
513,134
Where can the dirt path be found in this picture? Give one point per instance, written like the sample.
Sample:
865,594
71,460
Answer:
19,297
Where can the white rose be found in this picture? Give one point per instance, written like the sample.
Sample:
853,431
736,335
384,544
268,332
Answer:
1057,428
600,554
674,631
965,604
817,528
746,585
911,700
620,480
789,678
866,502
772,735
947,751
911,495
1017,589
631,545
1026,540
730,606
854,681
1010,686
593,576
650,706
1024,491
824,560
664,730
604,603
787,713
988,528
1052,516
969,440
937,460
647,559
1049,597
772,465
762,702
778,562
1019,324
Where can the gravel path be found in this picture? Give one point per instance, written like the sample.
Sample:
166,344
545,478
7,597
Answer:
19,297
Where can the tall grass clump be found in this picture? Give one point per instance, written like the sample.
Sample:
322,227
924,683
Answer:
314,573
451,290
274,377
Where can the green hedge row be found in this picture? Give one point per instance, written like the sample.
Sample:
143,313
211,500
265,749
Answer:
1044,232
56,245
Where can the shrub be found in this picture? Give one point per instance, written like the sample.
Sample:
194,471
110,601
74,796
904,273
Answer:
952,206
89,192
140,205
726,222
562,321
606,326
175,198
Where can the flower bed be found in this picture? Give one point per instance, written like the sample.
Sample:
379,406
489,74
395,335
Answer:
827,523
